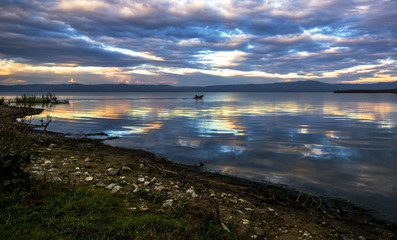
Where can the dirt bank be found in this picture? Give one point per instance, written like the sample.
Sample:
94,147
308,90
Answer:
151,183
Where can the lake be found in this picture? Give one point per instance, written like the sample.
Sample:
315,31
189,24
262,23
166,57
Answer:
339,145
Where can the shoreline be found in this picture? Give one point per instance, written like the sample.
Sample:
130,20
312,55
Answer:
247,208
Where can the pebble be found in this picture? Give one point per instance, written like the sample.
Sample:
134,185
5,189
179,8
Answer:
57,179
100,184
270,210
113,172
77,168
77,173
136,188
168,203
141,165
36,168
324,223
159,188
116,189
259,231
125,168
87,159
146,183
361,238
141,179
245,221
122,177
52,170
153,179
89,179
47,162
191,192
225,227
110,186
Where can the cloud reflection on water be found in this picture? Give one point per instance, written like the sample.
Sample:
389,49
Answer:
341,145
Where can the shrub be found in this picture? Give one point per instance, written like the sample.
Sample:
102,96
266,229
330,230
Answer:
15,147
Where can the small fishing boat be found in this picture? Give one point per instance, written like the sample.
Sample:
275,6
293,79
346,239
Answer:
198,97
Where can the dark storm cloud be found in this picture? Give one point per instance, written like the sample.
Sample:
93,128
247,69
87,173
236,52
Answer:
175,40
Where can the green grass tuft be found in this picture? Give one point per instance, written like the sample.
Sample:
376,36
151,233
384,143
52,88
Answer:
37,210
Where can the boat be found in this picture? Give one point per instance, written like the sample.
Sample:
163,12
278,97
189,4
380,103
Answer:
198,97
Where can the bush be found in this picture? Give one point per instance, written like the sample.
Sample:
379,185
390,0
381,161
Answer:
15,147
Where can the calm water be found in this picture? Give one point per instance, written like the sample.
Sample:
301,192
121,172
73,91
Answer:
342,145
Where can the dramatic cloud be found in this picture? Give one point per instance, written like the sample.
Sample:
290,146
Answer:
197,42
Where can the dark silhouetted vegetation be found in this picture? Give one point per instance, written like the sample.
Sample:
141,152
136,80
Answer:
34,99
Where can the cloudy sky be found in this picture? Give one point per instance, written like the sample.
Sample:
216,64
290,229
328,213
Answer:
197,42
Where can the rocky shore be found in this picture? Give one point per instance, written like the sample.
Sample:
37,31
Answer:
149,182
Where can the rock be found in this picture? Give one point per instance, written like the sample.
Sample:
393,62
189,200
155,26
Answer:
141,180
270,210
225,227
146,183
125,168
245,221
153,179
46,162
122,177
77,168
191,192
113,172
168,203
36,168
324,223
100,184
52,170
259,231
116,189
141,165
87,159
89,179
110,186
361,238
143,208
56,179
159,188
136,188
77,173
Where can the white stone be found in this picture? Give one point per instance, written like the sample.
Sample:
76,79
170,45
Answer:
116,189
125,168
89,179
100,184
141,180
168,203
110,186
57,179
245,221
146,183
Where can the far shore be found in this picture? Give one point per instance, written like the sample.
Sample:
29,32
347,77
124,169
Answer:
248,209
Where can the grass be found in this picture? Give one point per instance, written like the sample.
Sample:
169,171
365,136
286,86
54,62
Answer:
33,99
40,210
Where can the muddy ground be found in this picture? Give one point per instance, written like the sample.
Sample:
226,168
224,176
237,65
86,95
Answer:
151,183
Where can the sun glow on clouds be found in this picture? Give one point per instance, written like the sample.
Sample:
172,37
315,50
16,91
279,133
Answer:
164,40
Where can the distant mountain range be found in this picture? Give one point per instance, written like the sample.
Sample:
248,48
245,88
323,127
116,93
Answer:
301,86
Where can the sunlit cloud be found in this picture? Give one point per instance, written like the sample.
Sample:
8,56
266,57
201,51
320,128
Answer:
179,42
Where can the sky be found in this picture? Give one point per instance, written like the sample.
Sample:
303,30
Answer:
197,43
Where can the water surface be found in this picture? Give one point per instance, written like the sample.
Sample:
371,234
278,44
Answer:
342,145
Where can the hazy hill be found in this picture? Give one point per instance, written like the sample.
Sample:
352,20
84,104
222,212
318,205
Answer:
299,86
